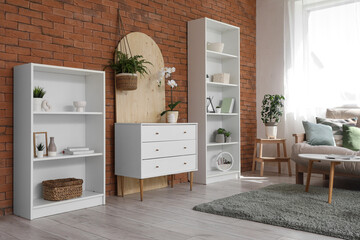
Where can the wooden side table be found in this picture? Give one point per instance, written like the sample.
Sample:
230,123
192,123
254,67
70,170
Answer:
261,159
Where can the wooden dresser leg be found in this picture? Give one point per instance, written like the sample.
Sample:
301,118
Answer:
191,180
141,189
122,179
172,180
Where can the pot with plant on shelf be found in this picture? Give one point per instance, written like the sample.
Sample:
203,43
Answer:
126,68
38,94
40,150
220,135
272,110
218,109
227,136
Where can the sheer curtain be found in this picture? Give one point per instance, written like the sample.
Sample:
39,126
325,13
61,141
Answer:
322,59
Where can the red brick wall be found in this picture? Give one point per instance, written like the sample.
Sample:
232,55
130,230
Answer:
83,34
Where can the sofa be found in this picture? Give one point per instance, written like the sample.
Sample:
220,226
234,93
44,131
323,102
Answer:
301,147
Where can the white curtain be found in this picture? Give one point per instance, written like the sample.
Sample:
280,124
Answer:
322,59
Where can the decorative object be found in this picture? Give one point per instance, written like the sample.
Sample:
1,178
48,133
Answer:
45,105
40,150
208,78
218,109
271,111
209,105
171,115
216,47
220,135
351,137
221,78
227,105
52,148
318,134
224,161
337,127
165,73
38,94
40,138
261,159
62,189
227,135
79,106
167,149
294,208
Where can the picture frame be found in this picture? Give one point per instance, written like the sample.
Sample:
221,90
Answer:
209,105
40,137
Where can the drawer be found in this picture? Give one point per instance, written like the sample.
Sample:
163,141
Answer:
168,133
167,149
167,166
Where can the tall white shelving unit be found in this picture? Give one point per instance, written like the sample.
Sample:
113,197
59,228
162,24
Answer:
63,86
201,62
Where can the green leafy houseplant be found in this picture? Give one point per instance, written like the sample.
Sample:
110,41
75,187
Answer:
38,92
40,147
272,109
227,134
221,131
124,63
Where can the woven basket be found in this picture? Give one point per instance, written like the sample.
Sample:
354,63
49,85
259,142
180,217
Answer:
62,189
126,81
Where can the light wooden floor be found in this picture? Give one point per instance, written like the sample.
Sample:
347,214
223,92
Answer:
164,214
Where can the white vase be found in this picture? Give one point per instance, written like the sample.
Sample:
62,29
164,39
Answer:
228,139
271,130
172,116
40,154
218,110
37,104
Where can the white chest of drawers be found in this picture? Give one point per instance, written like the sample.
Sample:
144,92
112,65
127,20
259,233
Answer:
146,150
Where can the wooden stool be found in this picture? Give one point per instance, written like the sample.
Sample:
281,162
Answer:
277,159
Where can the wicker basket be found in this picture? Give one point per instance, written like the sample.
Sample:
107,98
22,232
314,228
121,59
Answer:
126,81
62,189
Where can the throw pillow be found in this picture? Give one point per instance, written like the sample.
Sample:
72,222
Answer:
351,137
318,134
337,127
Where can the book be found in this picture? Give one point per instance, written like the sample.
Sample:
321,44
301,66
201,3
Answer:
68,152
78,148
227,105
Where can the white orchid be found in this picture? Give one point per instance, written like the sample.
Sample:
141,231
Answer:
172,83
165,72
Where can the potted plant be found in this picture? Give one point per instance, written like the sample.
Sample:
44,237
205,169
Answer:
171,115
38,94
40,150
272,110
126,68
220,135
218,109
227,135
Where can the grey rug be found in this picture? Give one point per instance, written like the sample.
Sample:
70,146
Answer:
288,205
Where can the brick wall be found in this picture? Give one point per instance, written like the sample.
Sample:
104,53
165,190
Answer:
83,34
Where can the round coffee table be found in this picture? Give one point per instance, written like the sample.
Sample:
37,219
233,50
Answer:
334,160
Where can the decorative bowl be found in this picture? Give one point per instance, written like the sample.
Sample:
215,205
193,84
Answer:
79,106
216,47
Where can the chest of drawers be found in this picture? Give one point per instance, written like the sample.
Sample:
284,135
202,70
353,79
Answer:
146,150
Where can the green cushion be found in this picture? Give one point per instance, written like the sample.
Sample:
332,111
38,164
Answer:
351,137
318,134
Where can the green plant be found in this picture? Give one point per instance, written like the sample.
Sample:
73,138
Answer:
218,107
272,108
125,64
221,131
40,147
38,92
227,134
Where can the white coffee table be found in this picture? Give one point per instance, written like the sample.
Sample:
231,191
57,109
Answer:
333,162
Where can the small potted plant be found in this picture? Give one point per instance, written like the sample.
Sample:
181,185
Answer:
227,135
220,135
218,109
38,94
272,110
126,68
171,115
40,150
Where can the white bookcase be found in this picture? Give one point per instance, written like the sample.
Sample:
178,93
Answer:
201,62
63,86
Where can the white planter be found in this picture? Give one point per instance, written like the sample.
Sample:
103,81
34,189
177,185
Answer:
218,110
40,154
220,138
37,104
79,106
172,116
271,131
228,139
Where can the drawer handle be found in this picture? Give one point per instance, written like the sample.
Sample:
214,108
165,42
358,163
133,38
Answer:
157,133
184,131
157,166
184,147
185,163
157,150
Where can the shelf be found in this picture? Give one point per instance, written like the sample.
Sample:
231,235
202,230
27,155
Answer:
64,156
220,173
216,84
68,113
222,114
221,144
218,55
40,202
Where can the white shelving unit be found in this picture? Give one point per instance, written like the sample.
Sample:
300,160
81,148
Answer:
63,86
201,62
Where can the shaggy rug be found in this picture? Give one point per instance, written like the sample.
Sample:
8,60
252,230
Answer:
289,206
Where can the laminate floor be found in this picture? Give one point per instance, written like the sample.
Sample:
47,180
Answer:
164,214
